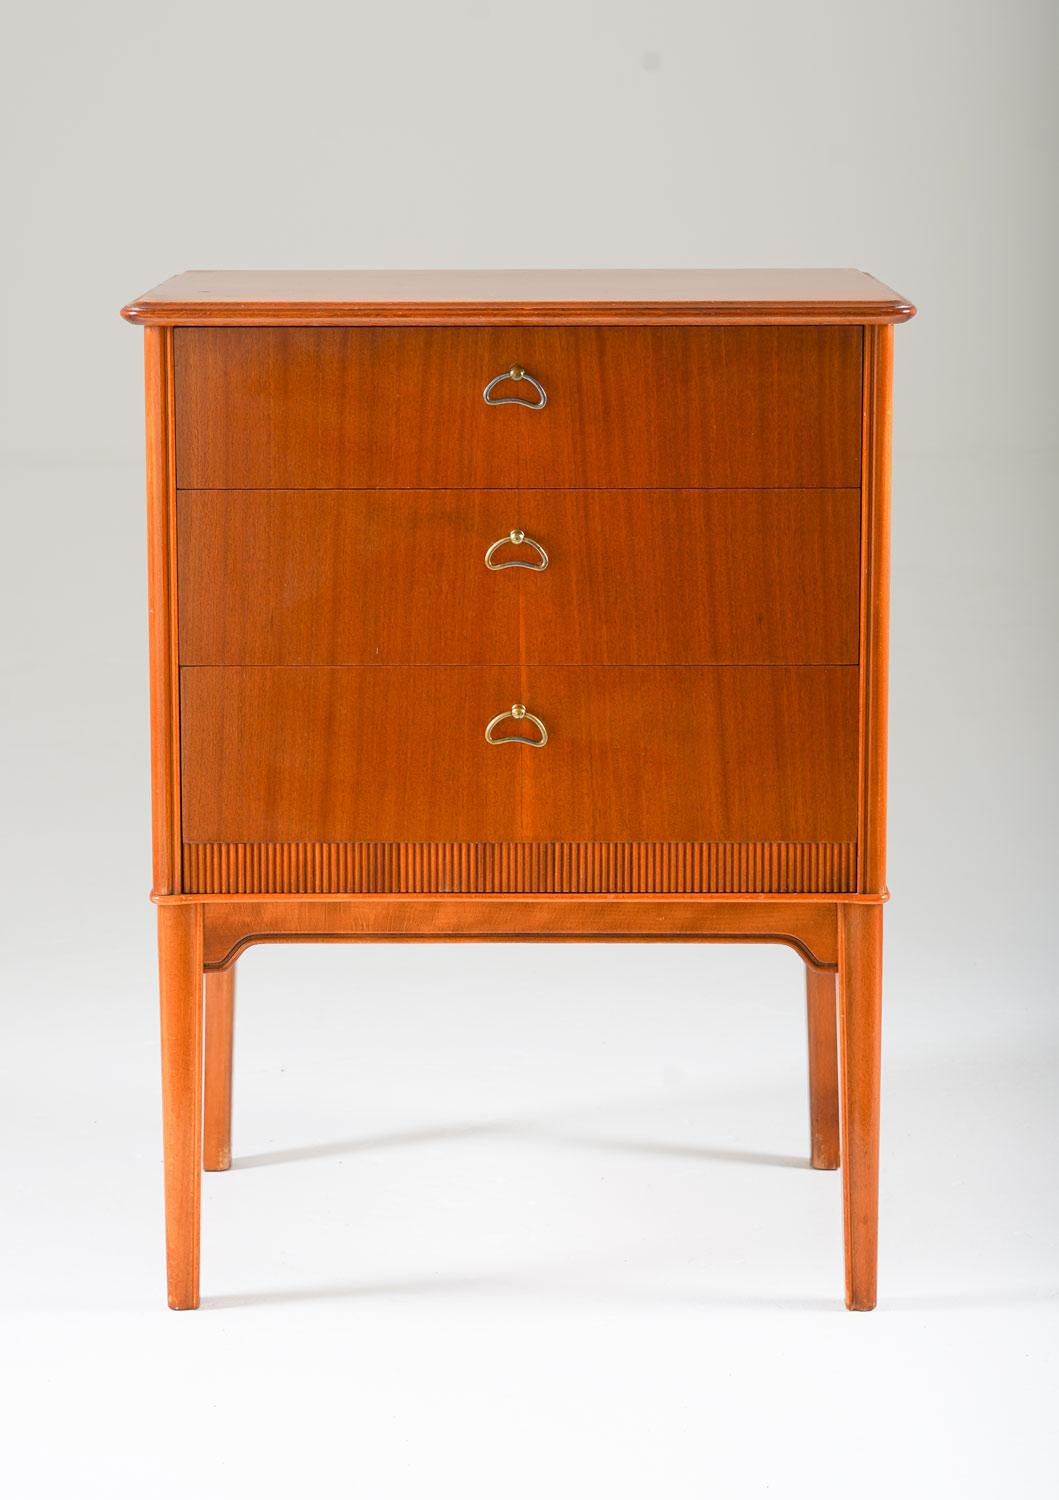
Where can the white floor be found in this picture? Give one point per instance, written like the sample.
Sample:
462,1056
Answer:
534,1221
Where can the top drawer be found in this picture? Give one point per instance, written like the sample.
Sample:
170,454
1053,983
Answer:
337,408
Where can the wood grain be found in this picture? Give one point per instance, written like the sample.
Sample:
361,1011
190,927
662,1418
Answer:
822,1018
875,607
180,964
498,868
490,297
725,753
635,577
860,1009
809,927
319,408
161,610
217,1085
272,755
335,755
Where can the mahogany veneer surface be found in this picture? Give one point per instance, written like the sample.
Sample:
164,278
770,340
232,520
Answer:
365,753
570,296
334,408
634,577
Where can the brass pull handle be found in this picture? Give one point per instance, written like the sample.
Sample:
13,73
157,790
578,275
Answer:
516,538
517,711
516,373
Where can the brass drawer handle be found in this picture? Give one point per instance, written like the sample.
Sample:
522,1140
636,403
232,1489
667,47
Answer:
516,372
517,711
516,538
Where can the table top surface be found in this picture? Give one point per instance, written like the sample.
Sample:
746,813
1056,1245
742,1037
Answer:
243,298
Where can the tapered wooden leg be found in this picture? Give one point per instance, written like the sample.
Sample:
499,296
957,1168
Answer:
860,1010
180,974
217,1113
821,1007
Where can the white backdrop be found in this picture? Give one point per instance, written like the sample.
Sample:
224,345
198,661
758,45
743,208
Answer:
515,1222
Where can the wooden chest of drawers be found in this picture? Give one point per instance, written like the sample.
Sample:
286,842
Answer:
519,606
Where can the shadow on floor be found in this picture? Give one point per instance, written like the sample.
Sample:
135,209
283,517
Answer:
520,1130
544,1287
531,1285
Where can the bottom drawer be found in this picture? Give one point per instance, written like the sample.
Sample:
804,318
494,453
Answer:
380,778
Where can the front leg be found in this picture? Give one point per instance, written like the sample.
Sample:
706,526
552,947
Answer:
180,976
860,1005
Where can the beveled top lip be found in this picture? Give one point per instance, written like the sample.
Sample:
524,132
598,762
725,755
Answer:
354,298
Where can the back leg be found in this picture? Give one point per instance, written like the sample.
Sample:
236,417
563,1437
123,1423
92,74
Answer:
217,1110
822,1013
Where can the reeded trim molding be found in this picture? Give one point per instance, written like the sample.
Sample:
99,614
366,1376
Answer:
561,868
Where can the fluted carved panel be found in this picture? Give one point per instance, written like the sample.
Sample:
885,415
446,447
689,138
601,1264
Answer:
537,868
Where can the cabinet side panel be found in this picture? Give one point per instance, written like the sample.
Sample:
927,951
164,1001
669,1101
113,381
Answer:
875,607
161,607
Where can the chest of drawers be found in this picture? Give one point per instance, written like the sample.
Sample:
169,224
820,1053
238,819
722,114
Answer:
519,607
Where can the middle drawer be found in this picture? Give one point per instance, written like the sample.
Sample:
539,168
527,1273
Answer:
633,577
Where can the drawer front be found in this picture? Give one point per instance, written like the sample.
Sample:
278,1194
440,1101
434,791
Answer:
719,753
342,756
633,577
279,754
334,408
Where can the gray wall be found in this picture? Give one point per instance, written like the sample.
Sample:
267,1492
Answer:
911,139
